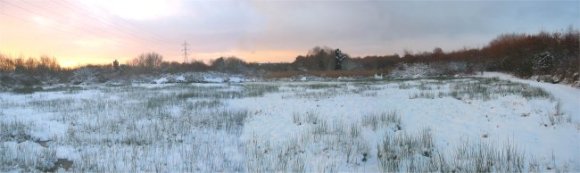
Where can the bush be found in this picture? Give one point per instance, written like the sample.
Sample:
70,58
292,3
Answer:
230,65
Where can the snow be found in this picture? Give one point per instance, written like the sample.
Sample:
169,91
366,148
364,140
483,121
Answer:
180,78
568,96
146,127
378,77
413,71
67,152
213,79
161,81
450,119
199,77
236,79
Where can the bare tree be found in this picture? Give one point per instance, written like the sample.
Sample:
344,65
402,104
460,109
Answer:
6,64
148,61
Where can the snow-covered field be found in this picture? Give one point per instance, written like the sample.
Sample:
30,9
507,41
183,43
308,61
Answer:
486,123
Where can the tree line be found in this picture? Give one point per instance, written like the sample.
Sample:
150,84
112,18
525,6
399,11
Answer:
524,55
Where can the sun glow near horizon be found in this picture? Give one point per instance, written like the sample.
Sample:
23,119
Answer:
74,61
99,31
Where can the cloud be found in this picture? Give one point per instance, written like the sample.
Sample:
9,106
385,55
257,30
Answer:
274,29
378,24
358,27
138,9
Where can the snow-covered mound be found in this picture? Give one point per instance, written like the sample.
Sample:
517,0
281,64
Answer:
161,80
200,77
416,70
378,76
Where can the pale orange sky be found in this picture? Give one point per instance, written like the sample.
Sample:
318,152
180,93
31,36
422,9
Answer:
100,31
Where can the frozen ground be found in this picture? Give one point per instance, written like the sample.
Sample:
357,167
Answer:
492,123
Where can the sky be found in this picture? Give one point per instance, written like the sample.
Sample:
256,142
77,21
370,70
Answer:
100,31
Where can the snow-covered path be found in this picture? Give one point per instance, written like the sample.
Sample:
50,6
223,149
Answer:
569,97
